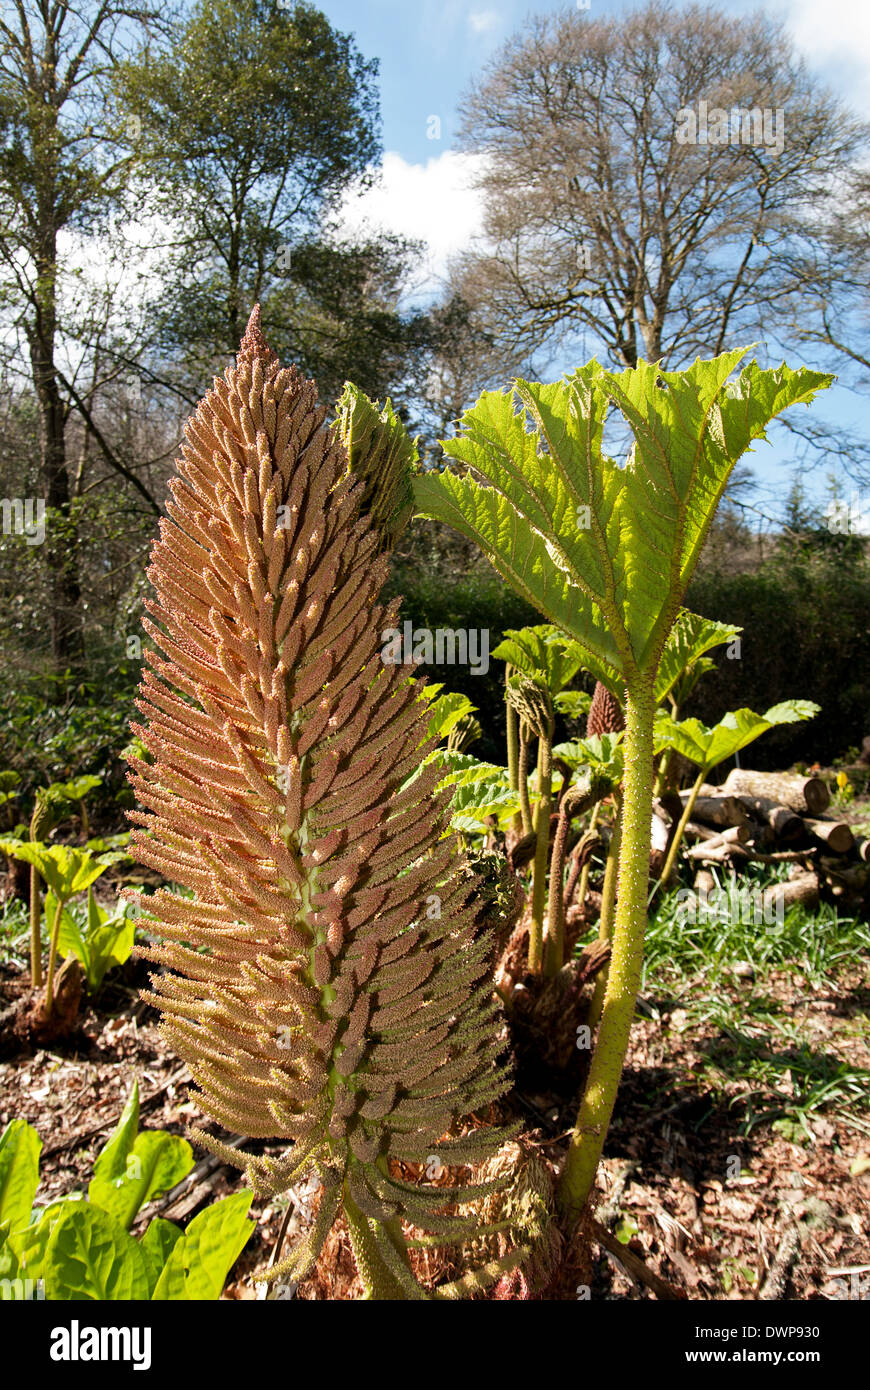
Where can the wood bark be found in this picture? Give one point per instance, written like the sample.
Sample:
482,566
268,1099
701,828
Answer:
836,834
798,890
785,823
805,795
718,810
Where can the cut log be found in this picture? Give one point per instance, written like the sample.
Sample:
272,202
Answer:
785,823
805,795
718,810
798,890
835,834
863,850
694,830
719,848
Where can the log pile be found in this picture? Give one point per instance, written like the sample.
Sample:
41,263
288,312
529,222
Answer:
775,817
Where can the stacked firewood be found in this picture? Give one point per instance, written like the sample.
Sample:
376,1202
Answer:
775,817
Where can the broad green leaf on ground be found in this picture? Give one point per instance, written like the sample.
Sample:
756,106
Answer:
76,789
20,1147
156,1162
157,1245
31,1241
105,939
9,1265
90,1256
707,747
111,1162
601,550
198,1264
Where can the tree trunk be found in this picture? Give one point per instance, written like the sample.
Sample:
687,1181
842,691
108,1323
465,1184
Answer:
61,538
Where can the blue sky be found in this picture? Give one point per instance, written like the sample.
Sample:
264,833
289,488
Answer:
430,51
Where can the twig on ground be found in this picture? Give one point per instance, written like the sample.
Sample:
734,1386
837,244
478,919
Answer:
634,1265
781,1266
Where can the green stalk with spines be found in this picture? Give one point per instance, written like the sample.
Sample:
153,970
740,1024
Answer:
608,903
513,748
555,901
626,961
525,740
542,845
583,886
574,801
670,862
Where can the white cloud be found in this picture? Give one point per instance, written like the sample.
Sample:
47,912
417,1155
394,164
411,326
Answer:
432,202
481,21
835,34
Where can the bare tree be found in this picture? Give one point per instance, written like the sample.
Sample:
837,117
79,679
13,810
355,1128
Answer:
662,183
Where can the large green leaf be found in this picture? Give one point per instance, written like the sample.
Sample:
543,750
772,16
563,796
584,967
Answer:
76,789
20,1147
574,703
707,747
480,790
688,640
605,551
10,1266
105,940
199,1263
682,661
446,712
381,454
90,1256
602,752
157,1245
133,1168
538,651
111,1161
31,1241
65,870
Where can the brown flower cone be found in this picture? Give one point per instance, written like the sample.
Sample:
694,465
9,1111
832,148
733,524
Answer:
605,713
326,982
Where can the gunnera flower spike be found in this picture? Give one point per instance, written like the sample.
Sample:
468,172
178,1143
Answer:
326,982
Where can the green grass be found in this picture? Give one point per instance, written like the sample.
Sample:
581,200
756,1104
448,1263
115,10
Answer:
817,943
14,931
750,1037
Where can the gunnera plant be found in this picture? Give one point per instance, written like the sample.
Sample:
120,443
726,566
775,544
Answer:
328,981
